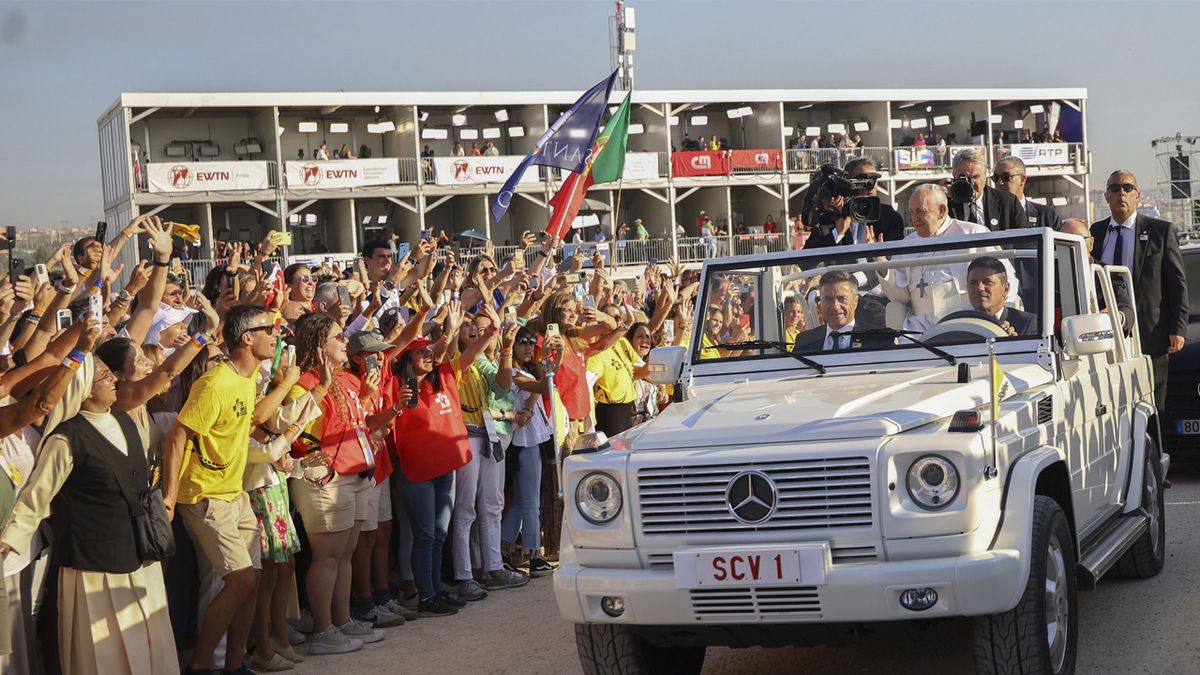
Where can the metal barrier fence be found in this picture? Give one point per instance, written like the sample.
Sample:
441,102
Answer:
803,160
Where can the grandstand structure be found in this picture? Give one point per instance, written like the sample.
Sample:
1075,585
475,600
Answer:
239,164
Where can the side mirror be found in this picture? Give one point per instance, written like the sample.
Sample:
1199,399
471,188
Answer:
666,364
1088,334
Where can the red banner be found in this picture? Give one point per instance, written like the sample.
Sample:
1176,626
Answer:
762,160
704,163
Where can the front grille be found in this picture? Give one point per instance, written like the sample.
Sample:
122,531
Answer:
813,494
756,601
841,555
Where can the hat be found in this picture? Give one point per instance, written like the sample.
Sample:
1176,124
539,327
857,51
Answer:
417,344
703,212
165,317
366,341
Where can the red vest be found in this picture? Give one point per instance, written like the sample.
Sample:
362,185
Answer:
338,436
431,439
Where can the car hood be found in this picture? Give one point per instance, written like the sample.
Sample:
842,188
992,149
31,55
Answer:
859,405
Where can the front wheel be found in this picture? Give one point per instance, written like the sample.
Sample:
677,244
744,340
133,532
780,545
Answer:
1039,635
614,649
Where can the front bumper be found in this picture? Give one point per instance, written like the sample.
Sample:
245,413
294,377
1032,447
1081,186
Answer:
968,585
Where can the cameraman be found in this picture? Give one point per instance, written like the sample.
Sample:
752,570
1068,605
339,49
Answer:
891,225
987,206
839,209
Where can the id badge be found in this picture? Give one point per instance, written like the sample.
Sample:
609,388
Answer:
365,444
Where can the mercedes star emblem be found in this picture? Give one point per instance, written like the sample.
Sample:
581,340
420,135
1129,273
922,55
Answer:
751,497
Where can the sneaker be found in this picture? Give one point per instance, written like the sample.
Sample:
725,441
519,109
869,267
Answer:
276,663
295,637
398,608
505,579
381,617
471,591
435,607
357,630
304,624
410,601
508,563
540,567
452,601
287,652
333,641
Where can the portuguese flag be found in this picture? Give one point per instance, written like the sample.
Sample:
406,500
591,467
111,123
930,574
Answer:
606,164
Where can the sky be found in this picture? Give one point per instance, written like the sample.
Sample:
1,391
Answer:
64,63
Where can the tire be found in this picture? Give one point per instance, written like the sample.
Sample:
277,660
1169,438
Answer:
1023,640
614,649
1146,557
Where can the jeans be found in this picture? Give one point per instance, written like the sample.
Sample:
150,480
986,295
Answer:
525,516
428,505
478,500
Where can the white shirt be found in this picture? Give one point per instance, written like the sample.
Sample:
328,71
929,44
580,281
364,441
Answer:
844,339
1110,242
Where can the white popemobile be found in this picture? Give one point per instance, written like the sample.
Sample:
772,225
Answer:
820,496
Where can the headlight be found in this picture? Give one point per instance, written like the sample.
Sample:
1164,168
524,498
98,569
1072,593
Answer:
932,482
598,496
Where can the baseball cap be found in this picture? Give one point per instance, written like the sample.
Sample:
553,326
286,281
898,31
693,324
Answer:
166,316
366,341
419,343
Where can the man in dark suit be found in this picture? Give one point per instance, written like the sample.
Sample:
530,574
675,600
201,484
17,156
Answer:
837,303
1011,178
1149,248
987,287
992,208
1078,227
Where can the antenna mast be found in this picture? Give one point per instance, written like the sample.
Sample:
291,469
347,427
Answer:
622,43
1176,178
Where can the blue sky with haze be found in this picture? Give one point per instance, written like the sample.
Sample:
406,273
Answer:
65,62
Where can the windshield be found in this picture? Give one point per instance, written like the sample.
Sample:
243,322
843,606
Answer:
916,294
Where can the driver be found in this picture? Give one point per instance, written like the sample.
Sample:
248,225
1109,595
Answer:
987,287
933,291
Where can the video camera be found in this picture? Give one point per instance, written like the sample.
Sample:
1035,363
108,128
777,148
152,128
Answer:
961,190
829,182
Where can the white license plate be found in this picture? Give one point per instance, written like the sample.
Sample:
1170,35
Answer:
1187,427
751,566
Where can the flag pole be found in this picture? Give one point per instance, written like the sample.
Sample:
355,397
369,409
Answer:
991,471
617,208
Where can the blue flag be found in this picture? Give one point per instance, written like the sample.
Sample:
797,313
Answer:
565,145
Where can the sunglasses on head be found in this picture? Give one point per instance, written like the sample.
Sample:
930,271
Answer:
1006,176
1121,187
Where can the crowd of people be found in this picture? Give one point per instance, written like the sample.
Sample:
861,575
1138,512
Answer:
334,452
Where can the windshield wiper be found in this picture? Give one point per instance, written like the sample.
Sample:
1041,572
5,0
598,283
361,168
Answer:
908,335
774,344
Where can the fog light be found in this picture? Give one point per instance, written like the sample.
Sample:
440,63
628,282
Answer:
918,599
614,606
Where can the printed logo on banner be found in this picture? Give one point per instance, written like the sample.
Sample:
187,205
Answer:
180,177
1025,152
702,163
312,174
763,159
462,170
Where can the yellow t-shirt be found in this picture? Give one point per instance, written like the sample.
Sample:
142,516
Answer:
472,394
707,350
614,366
218,413
789,336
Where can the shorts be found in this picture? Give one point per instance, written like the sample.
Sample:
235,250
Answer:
226,532
335,507
270,504
379,506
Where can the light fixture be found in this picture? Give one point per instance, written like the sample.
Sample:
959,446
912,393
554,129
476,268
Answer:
928,108
1018,124
941,120
208,150
636,128
424,115
996,118
381,220
699,120
248,146
895,124
294,219
338,127
788,131
279,131
381,127
501,115
458,119
673,121
366,220
491,132
862,126
836,128
307,127
435,134
1059,201
918,123
806,106
812,131
175,150
1037,108
372,128
516,132
310,219
468,134
906,105
376,110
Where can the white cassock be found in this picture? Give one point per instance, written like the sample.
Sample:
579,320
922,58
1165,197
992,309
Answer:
937,290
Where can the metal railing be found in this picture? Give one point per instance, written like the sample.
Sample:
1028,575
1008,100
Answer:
408,170
803,160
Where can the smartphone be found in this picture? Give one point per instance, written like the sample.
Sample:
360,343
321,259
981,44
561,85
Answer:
415,388
654,261
426,234
668,330
281,238
15,265
510,313
101,231
552,330
40,275
291,355
344,295
96,306
518,262
402,250
446,296
10,233
574,278
62,319
372,364
589,302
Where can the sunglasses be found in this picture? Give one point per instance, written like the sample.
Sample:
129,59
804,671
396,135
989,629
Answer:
1006,176
527,341
304,278
1122,187
255,329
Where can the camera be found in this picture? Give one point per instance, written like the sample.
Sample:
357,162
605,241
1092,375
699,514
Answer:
961,190
829,182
